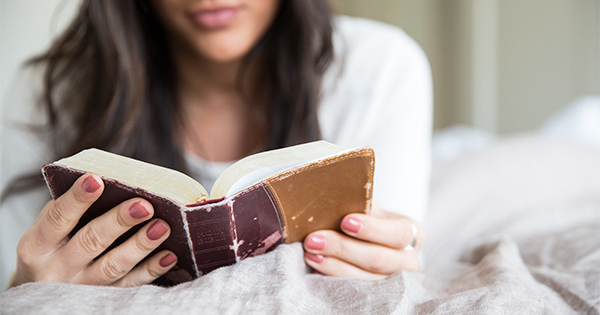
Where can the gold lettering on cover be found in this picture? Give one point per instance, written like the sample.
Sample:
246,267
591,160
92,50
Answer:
210,236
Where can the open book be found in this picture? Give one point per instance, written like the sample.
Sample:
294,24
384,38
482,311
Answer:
263,200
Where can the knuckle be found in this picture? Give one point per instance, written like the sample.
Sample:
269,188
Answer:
48,205
121,221
144,246
406,237
57,215
91,241
111,269
335,245
79,198
153,273
337,250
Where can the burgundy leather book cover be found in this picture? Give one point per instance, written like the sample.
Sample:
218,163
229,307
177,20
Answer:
60,178
204,237
248,223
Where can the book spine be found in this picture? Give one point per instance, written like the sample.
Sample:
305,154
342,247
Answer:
211,236
258,223
238,227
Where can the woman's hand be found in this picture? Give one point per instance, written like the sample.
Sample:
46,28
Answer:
46,253
372,247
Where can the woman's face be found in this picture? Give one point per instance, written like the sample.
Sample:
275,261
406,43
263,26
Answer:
217,30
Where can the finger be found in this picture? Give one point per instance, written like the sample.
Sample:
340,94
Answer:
60,216
115,264
96,236
395,232
334,267
364,255
149,270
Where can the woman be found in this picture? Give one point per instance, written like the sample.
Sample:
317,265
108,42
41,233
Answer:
195,85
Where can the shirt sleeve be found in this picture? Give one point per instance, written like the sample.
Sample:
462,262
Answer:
22,151
379,94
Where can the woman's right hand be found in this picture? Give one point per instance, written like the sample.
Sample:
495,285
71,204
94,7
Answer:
46,253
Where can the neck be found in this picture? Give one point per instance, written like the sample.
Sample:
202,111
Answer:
204,81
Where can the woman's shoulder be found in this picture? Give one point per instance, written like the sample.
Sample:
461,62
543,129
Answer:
357,31
370,58
374,42
368,51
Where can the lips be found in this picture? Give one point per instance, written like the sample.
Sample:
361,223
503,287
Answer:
215,18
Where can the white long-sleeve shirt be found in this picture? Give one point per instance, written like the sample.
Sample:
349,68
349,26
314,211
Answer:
377,93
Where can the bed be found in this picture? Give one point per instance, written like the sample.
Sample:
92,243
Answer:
514,228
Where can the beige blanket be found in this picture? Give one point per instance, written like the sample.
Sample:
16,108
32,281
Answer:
514,229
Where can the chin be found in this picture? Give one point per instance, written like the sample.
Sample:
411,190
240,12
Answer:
223,56
224,49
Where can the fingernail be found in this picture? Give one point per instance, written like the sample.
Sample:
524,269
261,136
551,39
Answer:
167,260
90,184
137,211
316,242
157,230
314,257
351,224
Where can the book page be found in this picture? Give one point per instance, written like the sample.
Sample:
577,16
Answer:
258,175
153,178
262,165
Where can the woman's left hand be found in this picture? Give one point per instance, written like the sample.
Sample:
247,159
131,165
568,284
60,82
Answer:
371,247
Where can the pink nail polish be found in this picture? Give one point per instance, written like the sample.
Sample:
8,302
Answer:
315,242
90,185
156,231
314,257
137,211
351,224
167,260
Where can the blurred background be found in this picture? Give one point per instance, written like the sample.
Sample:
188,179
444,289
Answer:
503,66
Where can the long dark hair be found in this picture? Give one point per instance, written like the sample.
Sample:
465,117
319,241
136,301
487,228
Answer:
109,81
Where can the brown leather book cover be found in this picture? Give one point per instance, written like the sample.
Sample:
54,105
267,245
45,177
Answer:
281,209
